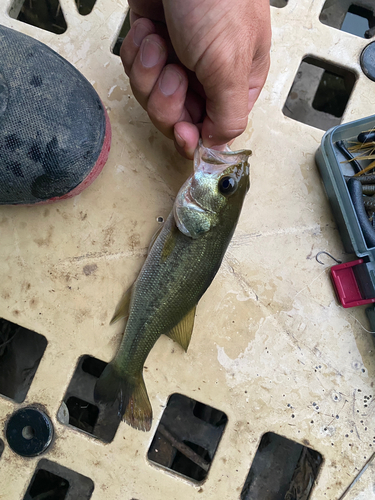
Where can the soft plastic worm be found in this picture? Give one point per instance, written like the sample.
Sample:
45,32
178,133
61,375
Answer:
363,179
369,203
368,188
355,190
365,137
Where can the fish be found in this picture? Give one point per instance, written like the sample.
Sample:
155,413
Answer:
183,259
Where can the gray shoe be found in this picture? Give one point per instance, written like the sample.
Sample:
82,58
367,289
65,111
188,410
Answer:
54,131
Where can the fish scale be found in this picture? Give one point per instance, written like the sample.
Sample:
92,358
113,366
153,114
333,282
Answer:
160,286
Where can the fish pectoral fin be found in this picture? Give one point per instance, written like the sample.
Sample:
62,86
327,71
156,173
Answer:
181,333
153,239
122,309
170,242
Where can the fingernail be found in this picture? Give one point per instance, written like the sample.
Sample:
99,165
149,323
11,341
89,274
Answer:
140,31
170,81
180,141
150,53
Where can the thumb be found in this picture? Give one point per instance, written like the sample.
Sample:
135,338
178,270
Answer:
230,100
226,112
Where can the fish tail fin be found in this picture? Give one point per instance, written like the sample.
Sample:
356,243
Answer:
108,386
138,412
130,390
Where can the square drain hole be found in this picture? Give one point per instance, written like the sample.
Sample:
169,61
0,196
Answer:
282,468
44,14
319,94
85,6
356,18
122,34
82,415
187,437
52,480
279,3
79,409
20,353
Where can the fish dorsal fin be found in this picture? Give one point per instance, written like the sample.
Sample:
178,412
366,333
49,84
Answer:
181,333
122,309
169,242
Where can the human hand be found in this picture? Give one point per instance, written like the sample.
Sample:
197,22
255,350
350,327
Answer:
198,66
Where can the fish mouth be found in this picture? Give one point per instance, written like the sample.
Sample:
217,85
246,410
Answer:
213,160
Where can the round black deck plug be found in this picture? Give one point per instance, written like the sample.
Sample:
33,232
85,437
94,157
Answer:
29,432
368,61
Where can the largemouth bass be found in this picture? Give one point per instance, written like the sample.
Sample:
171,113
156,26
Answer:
183,259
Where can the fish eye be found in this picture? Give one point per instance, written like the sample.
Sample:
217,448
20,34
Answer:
227,185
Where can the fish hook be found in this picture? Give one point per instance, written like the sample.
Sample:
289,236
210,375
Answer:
329,255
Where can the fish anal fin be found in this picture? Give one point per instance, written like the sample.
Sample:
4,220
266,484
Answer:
181,333
122,309
130,392
169,242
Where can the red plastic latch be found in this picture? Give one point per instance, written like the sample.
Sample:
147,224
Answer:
346,285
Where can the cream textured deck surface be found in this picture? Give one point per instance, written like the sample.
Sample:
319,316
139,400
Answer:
269,340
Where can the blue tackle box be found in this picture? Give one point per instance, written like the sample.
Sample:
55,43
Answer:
335,169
